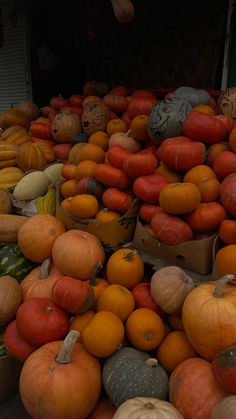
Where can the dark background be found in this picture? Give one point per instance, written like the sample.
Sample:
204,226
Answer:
168,44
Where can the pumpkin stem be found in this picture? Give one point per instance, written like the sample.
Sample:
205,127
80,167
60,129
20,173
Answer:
220,283
128,132
98,267
130,255
149,405
151,362
44,270
64,354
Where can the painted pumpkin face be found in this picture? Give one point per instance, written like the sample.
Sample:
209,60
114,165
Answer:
166,117
227,102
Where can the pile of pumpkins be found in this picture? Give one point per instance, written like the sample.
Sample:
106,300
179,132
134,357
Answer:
103,337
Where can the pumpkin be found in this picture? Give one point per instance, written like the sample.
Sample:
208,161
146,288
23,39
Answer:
143,298
40,320
29,108
206,181
39,282
170,229
146,407
98,284
225,406
40,129
179,198
225,260
84,151
116,103
175,321
116,200
214,302
77,253
94,87
181,153
224,368
57,102
99,138
172,175
123,10
5,134
15,345
84,205
130,373
64,366
111,176
75,100
47,150
224,164
105,215
5,202
144,329
91,99
169,287
227,194
190,379
116,156
8,153
95,117
125,141
214,150
227,231
10,299
68,188
104,409
166,118
226,102
137,165
13,116
36,238
62,151
119,90
19,137
206,217
116,299
30,156
140,106
194,96
73,295
85,168
64,126
174,349
116,125
147,188
147,211
90,186
104,334
138,128
202,127
10,225
125,267
205,109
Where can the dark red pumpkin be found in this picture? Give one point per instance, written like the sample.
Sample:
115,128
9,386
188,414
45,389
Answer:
148,188
74,295
15,345
137,165
228,194
116,156
202,127
57,102
143,298
224,164
41,130
111,176
208,216
76,100
224,368
91,186
119,91
140,106
116,103
116,200
170,229
147,211
40,320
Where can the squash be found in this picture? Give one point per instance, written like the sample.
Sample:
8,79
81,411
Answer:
95,117
117,299
125,267
19,137
194,96
130,373
179,198
10,225
53,172
224,368
123,10
9,131
5,202
104,409
63,366
32,185
30,156
8,153
13,116
225,408
169,287
10,176
16,346
29,108
226,102
10,299
227,194
65,125
147,407
13,262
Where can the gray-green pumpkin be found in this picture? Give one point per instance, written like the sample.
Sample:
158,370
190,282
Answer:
130,373
166,118
194,96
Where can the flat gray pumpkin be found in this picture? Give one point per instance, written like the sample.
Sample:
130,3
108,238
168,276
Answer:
166,118
194,96
130,373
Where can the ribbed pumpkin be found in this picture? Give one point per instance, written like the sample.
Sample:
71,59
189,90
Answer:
147,408
10,299
64,126
8,153
30,156
95,117
9,131
179,198
132,373
13,116
19,137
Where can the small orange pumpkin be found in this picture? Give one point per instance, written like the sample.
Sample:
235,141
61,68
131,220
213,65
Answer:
179,198
125,267
117,299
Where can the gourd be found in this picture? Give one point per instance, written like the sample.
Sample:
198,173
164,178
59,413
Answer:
65,366
10,225
225,408
5,202
31,186
179,198
147,407
30,156
125,267
130,373
117,299
10,299
13,262
169,287
224,368
10,176
53,172
95,117
123,9
13,116
8,153
194,96
29,108
227,194
65,125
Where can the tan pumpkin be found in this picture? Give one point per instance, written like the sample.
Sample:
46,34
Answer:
179,198
8,153
169,287
5,202
225,408
125,141
10,225
10,176
19,137
95,117
147,408
10,299
30,156
29,108
65,125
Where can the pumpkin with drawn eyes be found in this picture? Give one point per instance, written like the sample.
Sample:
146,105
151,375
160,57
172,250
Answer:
95,117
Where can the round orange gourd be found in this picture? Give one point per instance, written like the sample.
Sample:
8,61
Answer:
60,386
225,260
37,236
117,299
125,267
179,198
86,151
105,215
214,150
206,181
80,321
104,334
174,349
144,329
68,188
227,231
99,138
85,168
98,284
116,125
205,109
172,175
84,206
138,128
65,204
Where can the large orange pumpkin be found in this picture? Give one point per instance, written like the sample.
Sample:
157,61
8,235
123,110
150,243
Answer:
65,383
78,254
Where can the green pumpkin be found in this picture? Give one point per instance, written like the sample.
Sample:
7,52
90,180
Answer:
14,263
130,373
194,96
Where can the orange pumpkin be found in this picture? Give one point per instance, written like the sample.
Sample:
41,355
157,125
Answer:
172,175
144,329
80,321
206,181
205,109
84,206
99,138
60,366
104,409
179,198
225,260
85,168
208,216
104,334
86,151
30,156
37,235
227,231
68,188
138,128
117,299
116,125
98,284
105,215
125,267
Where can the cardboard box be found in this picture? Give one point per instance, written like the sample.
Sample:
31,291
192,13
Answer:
194,255
112,234
10,370
44,205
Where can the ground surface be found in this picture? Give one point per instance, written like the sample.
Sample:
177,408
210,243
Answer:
12,408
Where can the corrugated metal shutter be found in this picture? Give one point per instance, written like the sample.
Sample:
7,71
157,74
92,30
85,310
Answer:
14,63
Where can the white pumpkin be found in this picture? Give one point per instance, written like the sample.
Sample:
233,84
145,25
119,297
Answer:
147,408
